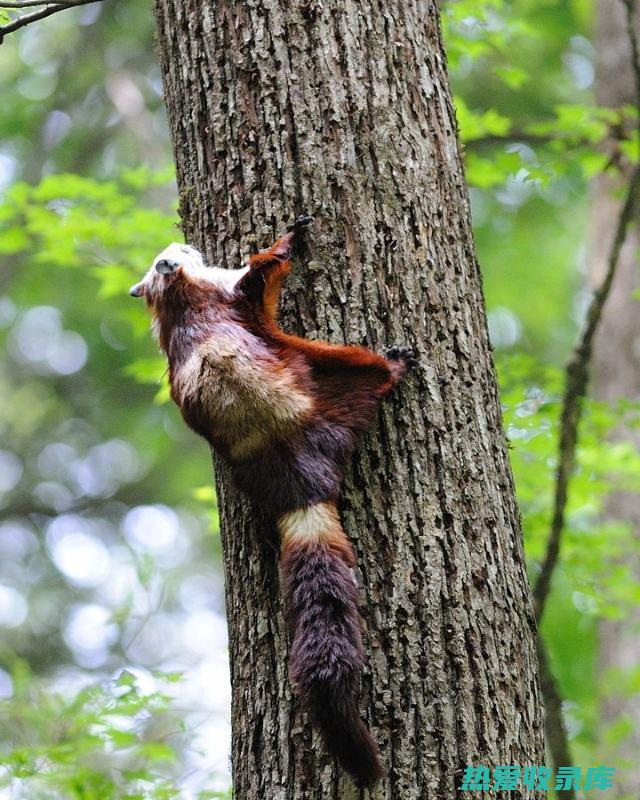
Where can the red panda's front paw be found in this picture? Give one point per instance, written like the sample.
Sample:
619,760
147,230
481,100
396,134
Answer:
292,243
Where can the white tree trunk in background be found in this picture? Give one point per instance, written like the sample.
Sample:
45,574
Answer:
617,375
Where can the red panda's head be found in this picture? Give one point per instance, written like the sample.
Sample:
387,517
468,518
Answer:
178,282
180,270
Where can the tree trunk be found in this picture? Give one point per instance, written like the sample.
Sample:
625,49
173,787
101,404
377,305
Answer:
617,375
345,112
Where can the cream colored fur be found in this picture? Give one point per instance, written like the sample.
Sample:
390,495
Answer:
313,522
244,389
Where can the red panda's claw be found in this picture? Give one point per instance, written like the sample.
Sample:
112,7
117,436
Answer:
301,222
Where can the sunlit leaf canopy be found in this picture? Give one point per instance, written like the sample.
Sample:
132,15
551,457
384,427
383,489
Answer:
111,598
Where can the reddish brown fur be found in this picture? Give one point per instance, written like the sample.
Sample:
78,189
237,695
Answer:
275,270
290,457
326,651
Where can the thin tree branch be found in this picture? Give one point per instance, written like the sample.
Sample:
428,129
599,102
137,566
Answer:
577,371
511,137
554,727
614,136
577,377
630,6
576,381
35,3
47,10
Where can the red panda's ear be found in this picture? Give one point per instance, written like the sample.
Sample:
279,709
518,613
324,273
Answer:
137,290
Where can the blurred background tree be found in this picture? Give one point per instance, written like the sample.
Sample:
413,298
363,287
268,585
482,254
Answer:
113,667
616,379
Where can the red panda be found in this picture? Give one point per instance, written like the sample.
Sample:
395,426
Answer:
285,414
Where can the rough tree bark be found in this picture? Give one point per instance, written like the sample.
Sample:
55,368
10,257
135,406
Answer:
345,111
617,375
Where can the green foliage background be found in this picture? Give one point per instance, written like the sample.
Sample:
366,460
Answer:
108,690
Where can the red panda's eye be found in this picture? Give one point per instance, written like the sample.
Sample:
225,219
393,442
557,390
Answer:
166,266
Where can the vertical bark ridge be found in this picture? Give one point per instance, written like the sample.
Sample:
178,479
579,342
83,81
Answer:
347,114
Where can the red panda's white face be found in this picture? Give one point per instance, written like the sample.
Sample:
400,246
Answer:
183,262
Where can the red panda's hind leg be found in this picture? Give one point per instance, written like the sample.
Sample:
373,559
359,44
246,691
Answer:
400,360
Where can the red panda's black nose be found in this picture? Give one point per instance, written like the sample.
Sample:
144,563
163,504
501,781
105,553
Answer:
166,266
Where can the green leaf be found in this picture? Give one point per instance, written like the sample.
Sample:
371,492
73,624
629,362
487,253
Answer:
13,240
476,125
205,494
147,370
513,76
